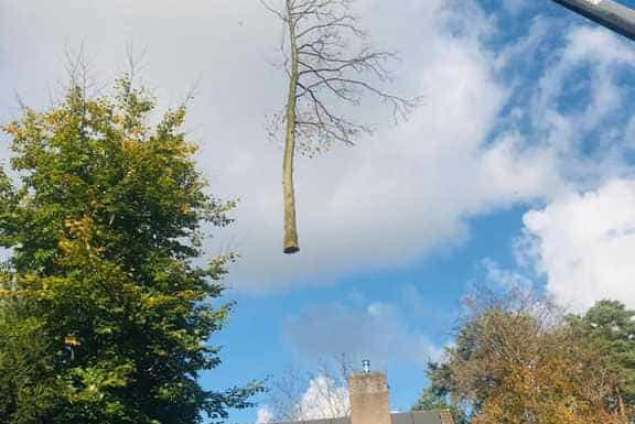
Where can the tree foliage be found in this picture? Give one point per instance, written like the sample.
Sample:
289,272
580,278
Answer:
104,313
523,362
609,329
437,397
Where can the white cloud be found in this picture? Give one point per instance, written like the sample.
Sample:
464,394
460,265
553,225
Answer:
584,244
580,242
411,188
323,399
394,197
264,416
383,202
505,279
585,74
378,331
319,397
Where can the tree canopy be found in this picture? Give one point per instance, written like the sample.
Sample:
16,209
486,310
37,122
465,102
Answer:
525,362
105,308
609,329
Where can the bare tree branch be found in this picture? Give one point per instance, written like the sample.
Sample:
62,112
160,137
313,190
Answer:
273,10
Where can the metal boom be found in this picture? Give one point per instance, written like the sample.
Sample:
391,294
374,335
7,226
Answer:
608,13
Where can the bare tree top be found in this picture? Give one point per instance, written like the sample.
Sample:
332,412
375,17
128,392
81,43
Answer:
332,63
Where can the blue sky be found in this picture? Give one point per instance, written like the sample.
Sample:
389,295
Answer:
518,167
436,283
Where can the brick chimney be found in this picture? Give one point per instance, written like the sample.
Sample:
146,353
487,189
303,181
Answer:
446,417
369,397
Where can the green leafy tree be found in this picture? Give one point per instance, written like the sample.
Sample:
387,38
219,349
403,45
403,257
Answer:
105,310
609,327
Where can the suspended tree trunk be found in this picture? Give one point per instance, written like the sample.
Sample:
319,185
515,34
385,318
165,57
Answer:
328,65
291,244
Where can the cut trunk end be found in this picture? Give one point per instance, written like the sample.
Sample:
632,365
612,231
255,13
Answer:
291,244
291,249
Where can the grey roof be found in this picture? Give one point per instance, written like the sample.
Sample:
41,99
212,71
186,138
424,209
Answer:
422,417
418,417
